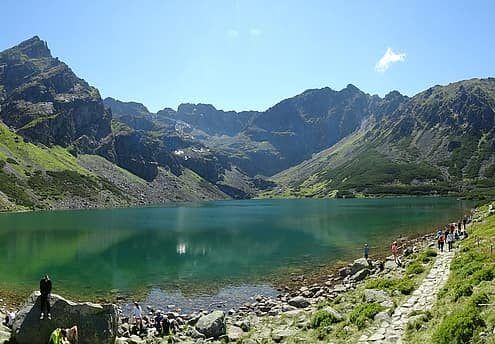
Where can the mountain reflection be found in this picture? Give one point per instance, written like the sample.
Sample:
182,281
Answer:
93,251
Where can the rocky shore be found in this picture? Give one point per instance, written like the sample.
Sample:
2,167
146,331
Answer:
296,301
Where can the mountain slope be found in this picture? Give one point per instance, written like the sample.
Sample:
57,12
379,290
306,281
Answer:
440,141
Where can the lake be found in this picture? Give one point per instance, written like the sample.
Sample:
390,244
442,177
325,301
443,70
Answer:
202,248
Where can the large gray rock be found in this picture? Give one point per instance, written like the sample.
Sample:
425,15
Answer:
379,296
97,324
299,302
359,264
212,325
361,275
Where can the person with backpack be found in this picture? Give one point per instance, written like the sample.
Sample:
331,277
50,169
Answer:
45,290
450,240
440,241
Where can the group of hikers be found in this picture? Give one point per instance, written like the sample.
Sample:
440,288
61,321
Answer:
140,324
451,233
157,322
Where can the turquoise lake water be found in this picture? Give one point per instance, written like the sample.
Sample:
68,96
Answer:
199,247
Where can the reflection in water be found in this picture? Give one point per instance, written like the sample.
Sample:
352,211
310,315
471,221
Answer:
198,245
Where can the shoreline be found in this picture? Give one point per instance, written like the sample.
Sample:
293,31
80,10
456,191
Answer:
298,300
289,282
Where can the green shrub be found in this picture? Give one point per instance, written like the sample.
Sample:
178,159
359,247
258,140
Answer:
458,327
463,288
415,268
322,321
485,274
404,286
427,255
364,312
479,298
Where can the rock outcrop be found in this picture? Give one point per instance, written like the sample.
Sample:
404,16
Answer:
97,324
45,101
212,325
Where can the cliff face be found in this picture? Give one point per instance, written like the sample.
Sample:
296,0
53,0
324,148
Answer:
42,99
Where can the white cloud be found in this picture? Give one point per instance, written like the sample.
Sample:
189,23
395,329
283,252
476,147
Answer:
387,59
255,32
233,33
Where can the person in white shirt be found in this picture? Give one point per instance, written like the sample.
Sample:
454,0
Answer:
450,240
137,315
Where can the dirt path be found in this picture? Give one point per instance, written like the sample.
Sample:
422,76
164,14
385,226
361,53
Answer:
422,299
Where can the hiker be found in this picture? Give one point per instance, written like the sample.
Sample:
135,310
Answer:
64,336
9,319
45,290
450,240
137,316
464,221
159,323
440,241
395,252
366,251
58,336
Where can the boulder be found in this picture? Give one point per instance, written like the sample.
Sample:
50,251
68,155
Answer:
408,251
212,325
361,275
234,333
359,264
97,324
379,296
299,302
334,313
344,272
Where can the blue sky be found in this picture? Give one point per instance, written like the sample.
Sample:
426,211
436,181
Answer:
251,54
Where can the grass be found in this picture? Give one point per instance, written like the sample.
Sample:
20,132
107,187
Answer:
460,314
364,312
404,286
414,268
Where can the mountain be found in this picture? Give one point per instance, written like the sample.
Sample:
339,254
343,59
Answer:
440,141
61,148
44,101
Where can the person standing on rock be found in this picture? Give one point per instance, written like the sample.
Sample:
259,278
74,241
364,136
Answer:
45,290
366,251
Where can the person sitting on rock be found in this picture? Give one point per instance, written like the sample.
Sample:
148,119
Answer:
45,290
59,336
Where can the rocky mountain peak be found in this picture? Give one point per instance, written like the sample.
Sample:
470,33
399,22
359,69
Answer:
34,48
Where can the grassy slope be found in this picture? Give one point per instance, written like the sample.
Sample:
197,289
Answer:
460,314
37,177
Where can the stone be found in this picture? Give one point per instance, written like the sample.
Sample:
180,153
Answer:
234,333
383,316
193,333
280,335
344,272
408,251
361,275
390,265
373,295
212,325
244,324
359,264
299,302
333,312
96,323
135,340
